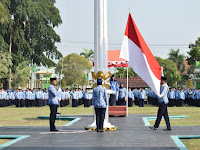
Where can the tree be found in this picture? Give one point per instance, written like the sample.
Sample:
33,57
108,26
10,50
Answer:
178,58
169,70
122,72
4,15
4,22
194,55
31,32
5,64
74,69
21,74
88,54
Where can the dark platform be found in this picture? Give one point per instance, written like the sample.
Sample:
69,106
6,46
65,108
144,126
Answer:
131,134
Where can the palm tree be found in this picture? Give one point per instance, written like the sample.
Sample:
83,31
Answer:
88,54
178,58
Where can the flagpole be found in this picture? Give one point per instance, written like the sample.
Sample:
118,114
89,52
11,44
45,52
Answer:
127,95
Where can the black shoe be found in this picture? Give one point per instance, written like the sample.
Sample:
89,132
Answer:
152,127
167,129
54,130
59,113
101,131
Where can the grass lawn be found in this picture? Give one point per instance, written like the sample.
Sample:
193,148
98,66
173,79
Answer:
193,114
11,116
192,144
2,141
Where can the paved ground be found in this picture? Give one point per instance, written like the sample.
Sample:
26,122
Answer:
131,134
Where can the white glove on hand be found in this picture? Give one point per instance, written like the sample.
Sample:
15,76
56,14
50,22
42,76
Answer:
59,90
59,98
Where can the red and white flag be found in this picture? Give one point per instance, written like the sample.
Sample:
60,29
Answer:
137,53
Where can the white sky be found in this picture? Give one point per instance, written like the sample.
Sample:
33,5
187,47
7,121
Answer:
164,24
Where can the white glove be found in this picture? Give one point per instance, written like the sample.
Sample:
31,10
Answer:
59,98
59,90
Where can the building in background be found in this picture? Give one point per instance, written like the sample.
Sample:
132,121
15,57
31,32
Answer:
43,78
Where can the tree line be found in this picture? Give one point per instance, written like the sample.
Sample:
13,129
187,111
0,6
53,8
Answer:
27,38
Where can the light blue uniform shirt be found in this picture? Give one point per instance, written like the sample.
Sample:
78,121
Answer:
62,95
99,99
33,96
12,96
171,95
74,95
114,86
67,95
130,94
28,95
176,94
142,94
80,94
86,95
53,95
3,95
20,95
46,95
181,95
163,92
122,93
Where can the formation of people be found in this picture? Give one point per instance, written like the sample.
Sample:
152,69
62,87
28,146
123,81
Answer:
138,96
177,97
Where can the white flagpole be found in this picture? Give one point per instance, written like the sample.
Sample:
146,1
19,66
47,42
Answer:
127,95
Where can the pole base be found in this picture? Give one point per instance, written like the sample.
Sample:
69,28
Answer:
105,129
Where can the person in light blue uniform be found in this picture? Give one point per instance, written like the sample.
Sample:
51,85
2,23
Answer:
171,97
46,97
136,93
181,98
86,98
62,96
115,87
193,96
130,98
163,102
80,96
12,98
74,98
27,97
99,102
122,95
33,100
38,98
3,97
20,98
142,96
53,103
67,96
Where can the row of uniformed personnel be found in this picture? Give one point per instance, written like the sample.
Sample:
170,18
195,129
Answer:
29,98
178,97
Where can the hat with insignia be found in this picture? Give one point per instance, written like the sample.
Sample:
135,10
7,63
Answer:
52,79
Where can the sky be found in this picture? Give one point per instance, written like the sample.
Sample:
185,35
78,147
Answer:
164,24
